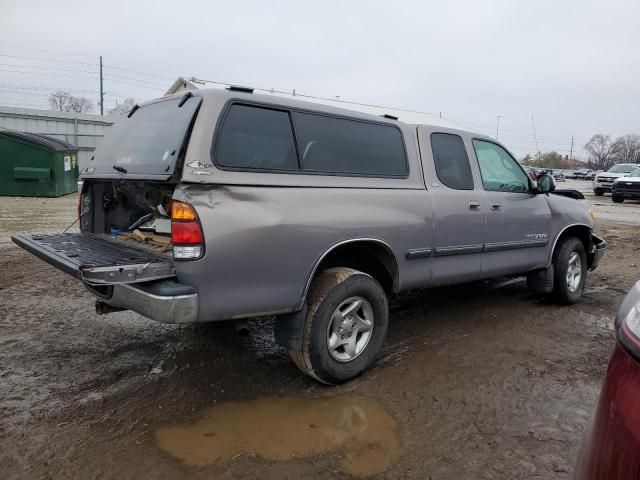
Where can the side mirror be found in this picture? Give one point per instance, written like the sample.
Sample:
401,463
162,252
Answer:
546,183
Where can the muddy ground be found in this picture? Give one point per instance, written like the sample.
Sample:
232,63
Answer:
478,381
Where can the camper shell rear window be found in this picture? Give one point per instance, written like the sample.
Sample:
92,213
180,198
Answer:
147,142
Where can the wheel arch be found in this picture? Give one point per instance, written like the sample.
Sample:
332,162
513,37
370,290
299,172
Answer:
579,230
369,255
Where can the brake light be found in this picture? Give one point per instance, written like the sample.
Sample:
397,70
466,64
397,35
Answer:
183,233
186,232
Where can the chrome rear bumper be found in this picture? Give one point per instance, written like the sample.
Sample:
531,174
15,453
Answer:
165,302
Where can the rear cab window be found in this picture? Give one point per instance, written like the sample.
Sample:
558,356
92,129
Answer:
253,137
451,161
148,142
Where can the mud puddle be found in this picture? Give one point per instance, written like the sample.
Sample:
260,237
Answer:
356,430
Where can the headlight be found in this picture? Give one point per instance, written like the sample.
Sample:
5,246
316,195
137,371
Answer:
592,215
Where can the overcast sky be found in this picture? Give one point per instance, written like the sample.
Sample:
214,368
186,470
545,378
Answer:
574,65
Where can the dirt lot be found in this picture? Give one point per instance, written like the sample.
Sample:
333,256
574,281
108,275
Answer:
500,384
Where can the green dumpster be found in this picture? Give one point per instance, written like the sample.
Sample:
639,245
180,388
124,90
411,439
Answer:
36,165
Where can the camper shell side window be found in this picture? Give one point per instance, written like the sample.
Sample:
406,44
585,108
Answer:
260,138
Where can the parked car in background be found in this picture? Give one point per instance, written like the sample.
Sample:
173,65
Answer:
611,447
627,187
314,215
558,175
603,181
583,174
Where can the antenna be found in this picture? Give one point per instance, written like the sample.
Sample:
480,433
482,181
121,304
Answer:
535,136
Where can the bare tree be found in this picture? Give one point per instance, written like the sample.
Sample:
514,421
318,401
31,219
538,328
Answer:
123,108
81,105
627,149
602,150
59,100
65,102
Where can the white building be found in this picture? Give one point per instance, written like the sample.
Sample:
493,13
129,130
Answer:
81,129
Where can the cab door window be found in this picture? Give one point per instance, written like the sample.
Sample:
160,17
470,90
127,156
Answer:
499,170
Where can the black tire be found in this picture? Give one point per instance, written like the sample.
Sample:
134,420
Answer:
617,198
561,289
327,292
598,192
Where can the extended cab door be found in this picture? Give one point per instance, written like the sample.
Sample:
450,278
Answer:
458,226
517,220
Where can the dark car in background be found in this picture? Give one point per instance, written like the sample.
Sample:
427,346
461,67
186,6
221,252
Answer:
627,187
611,448
583,174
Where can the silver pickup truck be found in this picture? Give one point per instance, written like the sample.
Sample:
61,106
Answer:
224,204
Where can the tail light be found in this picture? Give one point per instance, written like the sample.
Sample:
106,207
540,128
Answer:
186,232
628,322
629,332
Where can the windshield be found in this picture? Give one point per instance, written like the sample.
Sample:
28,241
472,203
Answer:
635,173
148,142
622,168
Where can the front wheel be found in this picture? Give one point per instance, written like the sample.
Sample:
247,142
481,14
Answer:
345,326
598,192
617,198
570,271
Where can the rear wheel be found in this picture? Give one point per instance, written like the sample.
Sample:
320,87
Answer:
617,198
570,271
598,192
345,326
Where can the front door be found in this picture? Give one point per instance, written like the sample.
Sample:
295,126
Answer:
517,220
458,207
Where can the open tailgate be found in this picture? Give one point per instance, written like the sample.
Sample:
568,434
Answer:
99,259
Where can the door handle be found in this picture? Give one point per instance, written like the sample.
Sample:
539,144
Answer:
473,205
495,205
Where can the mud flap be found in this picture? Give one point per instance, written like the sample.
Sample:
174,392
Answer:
289,328
541,281
598,249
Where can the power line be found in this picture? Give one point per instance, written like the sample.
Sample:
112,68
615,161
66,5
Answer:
37,67
140,73
43,59
46,74
39,87
146,82
133,84
59,52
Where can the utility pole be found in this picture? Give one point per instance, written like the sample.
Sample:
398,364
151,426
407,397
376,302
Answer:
571,151
101,91
497,125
